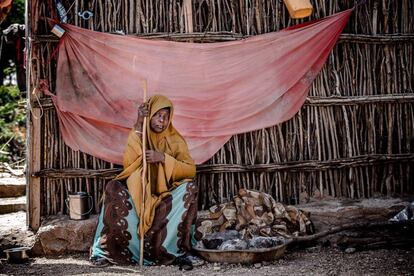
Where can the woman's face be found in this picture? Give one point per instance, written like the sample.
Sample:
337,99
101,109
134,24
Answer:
160,120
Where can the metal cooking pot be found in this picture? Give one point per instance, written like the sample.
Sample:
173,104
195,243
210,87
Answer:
247,256
79,205
17,254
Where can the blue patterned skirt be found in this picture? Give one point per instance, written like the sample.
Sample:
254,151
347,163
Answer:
170,236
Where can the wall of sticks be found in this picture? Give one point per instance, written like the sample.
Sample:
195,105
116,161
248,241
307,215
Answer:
353,138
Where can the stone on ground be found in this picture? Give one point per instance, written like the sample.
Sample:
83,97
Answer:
12,186
12,204
325,214
61,235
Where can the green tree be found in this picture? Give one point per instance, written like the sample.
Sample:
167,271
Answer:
12,104
12,124
16,14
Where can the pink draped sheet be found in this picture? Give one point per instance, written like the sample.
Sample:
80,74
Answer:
218,89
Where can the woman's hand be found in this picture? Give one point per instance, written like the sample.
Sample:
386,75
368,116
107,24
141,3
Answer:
143,111
153,156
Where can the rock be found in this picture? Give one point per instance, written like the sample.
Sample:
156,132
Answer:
350,250
265,242
61,235
235,244
199,245
212,241
328,213
12,186
257,265
12,204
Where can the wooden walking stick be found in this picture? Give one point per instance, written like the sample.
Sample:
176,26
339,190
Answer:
144,172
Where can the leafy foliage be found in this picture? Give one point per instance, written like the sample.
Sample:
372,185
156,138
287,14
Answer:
12,124
16,14
12,105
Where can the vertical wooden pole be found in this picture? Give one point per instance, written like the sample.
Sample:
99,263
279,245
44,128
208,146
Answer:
188,15
33,138
33,183
144,172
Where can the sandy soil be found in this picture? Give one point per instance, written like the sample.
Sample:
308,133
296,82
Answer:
312,261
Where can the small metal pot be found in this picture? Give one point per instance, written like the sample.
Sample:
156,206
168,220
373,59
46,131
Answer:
17,255
79,205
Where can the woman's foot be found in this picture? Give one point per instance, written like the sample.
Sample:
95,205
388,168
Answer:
188,262
183,263
195,261
100,262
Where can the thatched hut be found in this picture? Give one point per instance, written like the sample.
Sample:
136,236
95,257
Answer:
354,137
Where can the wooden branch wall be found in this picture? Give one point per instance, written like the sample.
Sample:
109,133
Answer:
359,111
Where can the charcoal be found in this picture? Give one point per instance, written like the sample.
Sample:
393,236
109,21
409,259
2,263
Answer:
235,244
213,241
265,242
200,245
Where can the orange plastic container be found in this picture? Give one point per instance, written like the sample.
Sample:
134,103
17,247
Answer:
299,8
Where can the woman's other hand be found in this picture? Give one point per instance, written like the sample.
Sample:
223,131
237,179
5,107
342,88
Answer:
153,156
143,111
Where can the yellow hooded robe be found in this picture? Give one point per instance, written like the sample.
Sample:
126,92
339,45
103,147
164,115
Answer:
162,177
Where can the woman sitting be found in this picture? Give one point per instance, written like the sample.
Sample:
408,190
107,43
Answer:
170,196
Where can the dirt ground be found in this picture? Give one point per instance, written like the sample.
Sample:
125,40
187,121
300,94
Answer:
311,261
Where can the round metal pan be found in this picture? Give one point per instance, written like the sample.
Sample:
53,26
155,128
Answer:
249,256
